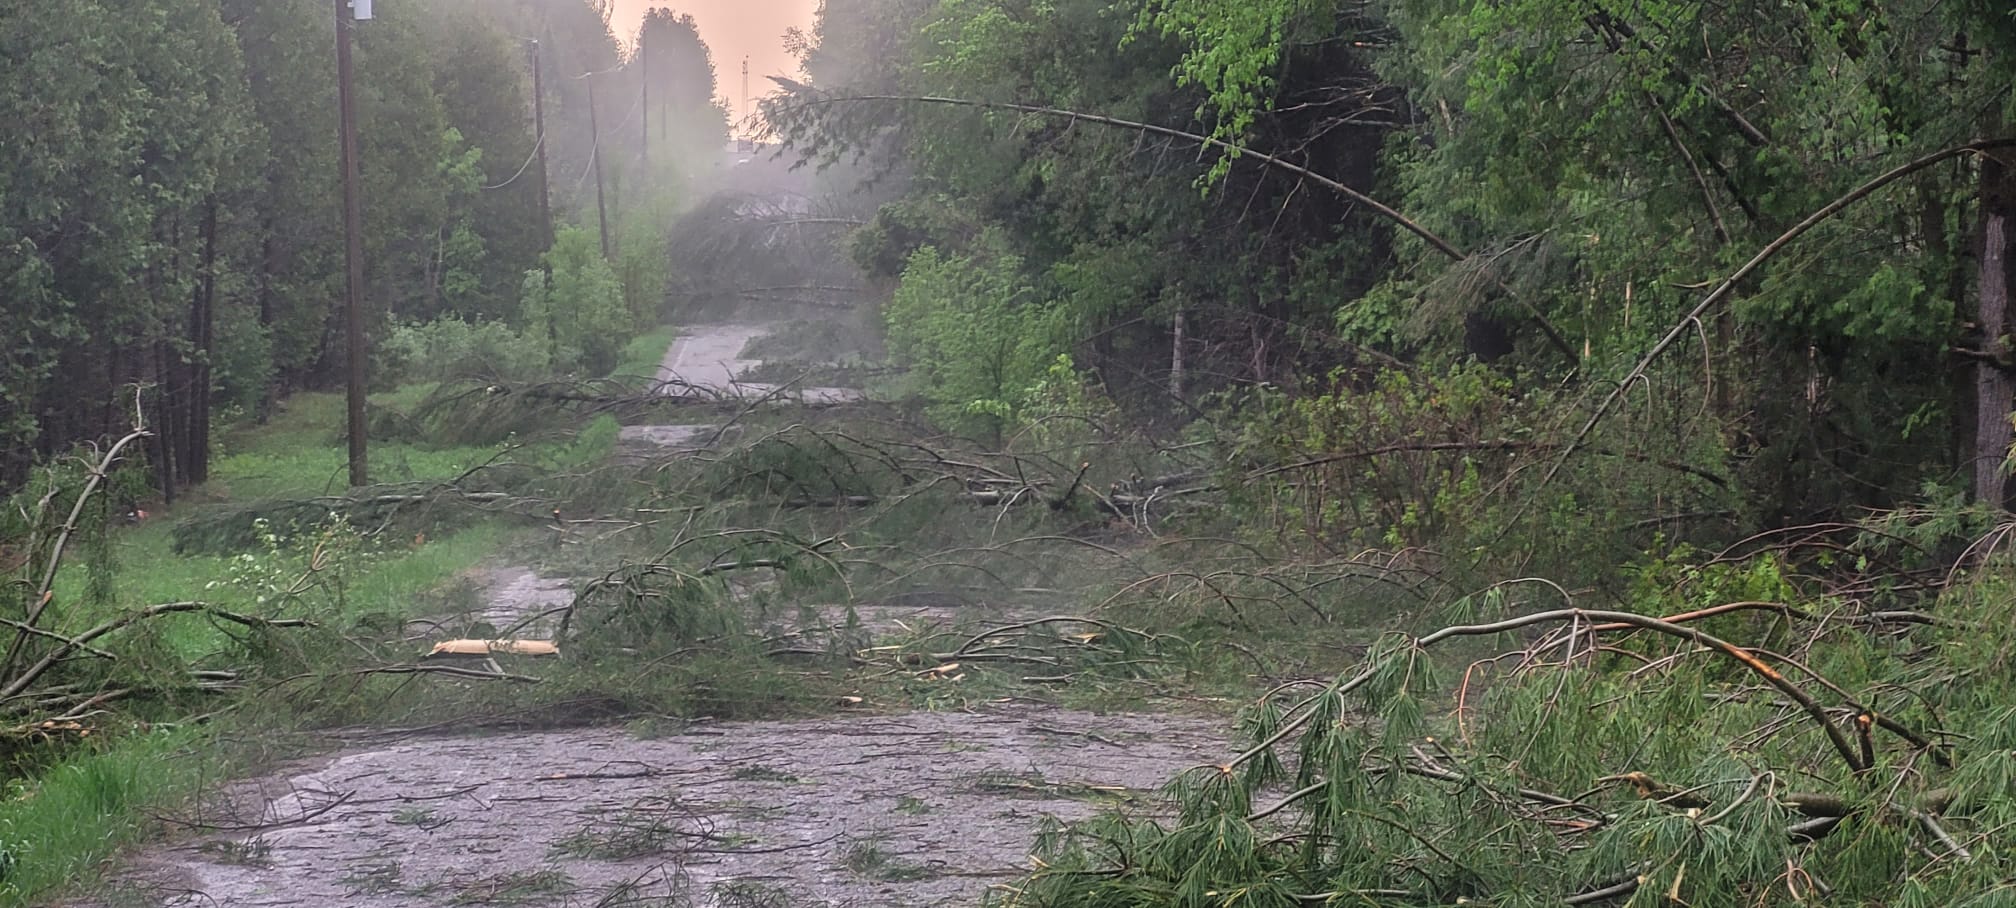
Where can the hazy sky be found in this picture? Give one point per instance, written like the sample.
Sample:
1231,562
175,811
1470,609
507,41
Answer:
733,29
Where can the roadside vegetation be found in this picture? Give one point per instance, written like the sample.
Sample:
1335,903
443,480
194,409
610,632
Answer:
1568,445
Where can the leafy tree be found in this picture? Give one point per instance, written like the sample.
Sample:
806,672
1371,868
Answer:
975,335
576,303
297,282
675,69
493,233
111,222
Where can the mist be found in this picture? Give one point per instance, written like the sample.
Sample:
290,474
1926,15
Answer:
734,29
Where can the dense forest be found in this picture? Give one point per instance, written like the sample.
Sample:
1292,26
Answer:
1553,192
1574,436
172,203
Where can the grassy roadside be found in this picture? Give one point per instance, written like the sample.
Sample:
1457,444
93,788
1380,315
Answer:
56,830
67,809
643,355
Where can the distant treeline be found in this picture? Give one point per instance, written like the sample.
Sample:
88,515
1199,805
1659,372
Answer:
170,215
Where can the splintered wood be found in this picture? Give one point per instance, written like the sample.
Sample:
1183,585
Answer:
484,649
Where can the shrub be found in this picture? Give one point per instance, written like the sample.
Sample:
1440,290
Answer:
578,309
975,335
644,263
1458,462
449,348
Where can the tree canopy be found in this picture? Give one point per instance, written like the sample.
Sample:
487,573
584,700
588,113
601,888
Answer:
168,210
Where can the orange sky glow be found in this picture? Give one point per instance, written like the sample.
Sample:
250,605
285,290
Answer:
733,29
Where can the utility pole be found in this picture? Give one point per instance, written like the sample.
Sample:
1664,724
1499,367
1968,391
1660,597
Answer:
539,127
595,156
353,245
746,112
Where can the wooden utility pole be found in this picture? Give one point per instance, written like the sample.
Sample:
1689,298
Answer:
595,156
353,248
539,147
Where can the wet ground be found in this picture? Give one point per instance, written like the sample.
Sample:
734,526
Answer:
707,359
710,357
857,809
910,810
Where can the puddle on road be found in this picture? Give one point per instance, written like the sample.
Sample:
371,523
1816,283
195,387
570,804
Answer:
709,356
910,810
517,594
509,595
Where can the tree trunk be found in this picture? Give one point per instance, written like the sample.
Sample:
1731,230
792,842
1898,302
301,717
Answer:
163,421
1994,390
196,437
270,271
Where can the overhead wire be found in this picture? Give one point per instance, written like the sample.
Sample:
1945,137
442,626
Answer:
522,167
596,148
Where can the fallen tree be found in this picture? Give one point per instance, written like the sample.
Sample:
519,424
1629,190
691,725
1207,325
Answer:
68,660
1748,753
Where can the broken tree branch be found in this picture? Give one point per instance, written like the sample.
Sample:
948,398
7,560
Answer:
1757,261
45,591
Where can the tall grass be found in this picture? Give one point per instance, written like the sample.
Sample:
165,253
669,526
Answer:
58,829
390,578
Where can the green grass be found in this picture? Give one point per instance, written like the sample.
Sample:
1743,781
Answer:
59,828
643,356
301,452
389,580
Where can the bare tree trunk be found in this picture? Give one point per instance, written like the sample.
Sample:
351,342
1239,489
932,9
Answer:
202,318
162,445
1176,357
269,396
1994,391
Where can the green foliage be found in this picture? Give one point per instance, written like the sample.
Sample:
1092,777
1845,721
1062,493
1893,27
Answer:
174,227
450,348
644,269
578,307
1454,460
976,336
303,568
645,353
1468,805
1234,53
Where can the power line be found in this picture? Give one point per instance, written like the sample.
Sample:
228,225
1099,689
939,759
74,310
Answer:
529,158
596,149
522,167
